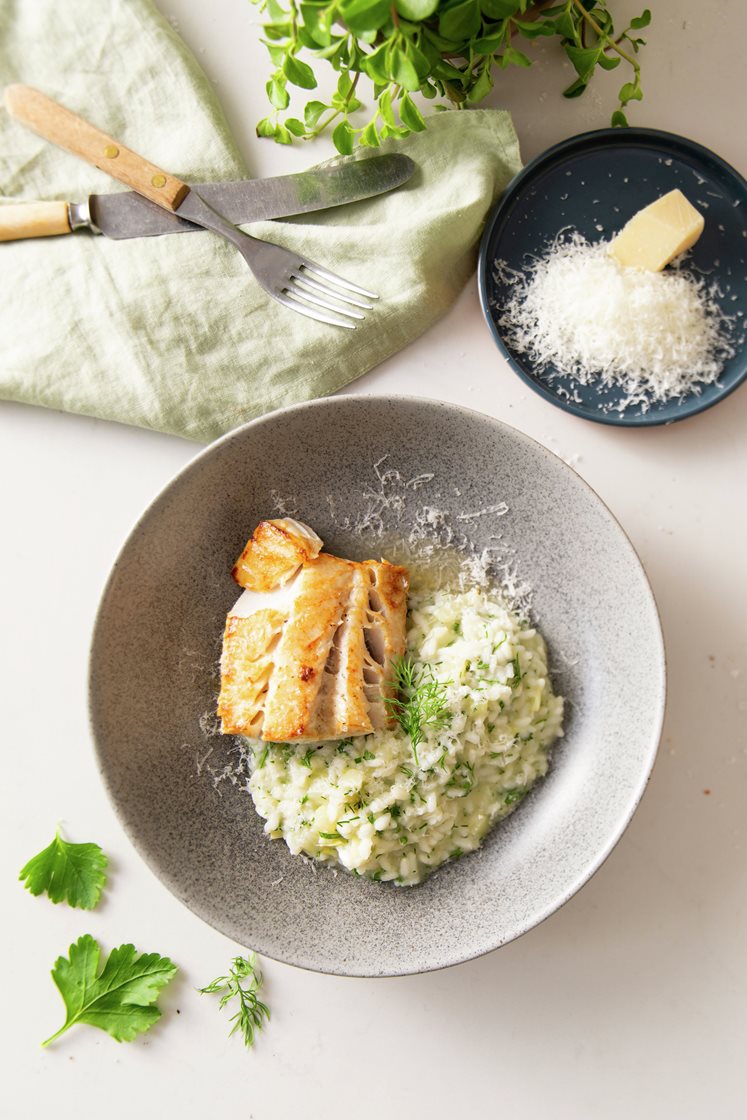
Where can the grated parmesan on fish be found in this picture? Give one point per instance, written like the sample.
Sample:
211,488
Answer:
578,313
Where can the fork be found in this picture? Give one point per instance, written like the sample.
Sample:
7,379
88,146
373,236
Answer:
292,280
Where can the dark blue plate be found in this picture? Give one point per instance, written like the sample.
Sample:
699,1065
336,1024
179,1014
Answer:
594,183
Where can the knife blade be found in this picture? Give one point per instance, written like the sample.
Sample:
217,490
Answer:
127,214
296,282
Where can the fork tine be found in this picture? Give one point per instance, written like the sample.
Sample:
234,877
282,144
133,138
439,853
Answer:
333,279
312,285
310,312
301,293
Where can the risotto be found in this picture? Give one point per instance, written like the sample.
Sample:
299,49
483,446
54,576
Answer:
384,809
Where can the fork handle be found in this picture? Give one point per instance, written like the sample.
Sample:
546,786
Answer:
56,123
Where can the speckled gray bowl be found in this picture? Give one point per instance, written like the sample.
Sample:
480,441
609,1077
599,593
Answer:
157,641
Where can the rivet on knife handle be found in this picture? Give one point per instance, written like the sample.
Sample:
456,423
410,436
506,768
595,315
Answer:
33,219
56,123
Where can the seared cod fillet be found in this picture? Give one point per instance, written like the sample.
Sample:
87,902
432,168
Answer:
274,553
308,648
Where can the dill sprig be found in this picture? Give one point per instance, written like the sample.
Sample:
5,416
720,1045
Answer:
252,1013
420,702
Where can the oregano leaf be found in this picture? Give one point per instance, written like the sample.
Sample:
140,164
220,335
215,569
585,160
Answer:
410,115
583,60
343,137
402,70
416,9
364,15
630,92
451,49
277,93
643,20
299,73
369,137
266,128
312,112
461,21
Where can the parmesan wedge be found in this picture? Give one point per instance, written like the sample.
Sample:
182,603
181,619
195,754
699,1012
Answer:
657,234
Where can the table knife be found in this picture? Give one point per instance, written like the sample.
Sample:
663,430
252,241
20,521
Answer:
127,214
297,282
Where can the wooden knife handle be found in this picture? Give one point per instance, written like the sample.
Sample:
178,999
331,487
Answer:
56,123
33,219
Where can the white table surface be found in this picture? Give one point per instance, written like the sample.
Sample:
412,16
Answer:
629,1002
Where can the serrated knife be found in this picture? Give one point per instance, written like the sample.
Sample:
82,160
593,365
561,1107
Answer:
127,214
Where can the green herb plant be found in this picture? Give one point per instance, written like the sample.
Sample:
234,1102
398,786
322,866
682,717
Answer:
71,873
120,998
251,1013
420,702
447,49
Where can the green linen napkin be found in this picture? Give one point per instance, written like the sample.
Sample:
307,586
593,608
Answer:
173,333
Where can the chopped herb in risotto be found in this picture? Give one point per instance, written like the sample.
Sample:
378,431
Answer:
476,716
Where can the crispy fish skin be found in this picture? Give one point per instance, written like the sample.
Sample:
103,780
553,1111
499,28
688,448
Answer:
385,633
246,667
274,553
303,652
333,664
347,663
315,663
372,634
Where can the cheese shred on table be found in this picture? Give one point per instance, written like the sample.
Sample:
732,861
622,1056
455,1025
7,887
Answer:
577,312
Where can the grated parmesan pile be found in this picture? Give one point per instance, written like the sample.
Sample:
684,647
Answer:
655,335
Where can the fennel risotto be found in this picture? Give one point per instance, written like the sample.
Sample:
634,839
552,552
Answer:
389,808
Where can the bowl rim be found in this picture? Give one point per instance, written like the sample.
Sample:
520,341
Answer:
625,135
637,791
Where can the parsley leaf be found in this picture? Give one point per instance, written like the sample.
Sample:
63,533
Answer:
252,1013
74,873
119,998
